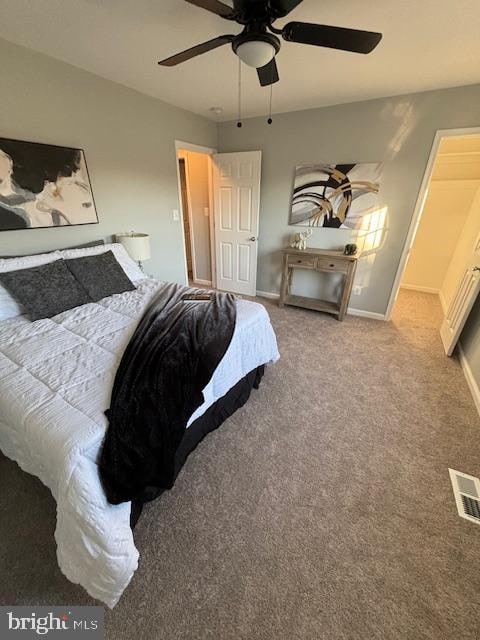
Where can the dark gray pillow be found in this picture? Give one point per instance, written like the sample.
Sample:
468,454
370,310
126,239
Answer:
46,290
100,275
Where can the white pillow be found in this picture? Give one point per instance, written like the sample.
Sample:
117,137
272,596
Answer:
9,307
131,268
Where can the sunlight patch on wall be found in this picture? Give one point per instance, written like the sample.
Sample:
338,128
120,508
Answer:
370,239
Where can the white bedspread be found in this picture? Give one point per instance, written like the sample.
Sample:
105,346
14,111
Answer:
56,377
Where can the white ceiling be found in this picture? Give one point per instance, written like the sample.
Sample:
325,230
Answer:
426,44
458,158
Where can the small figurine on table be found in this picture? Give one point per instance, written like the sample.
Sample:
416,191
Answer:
299,240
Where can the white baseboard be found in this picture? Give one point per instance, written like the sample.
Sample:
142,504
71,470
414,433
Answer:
365,314
350,310
205,283
268,294
472,383
414,287
443,302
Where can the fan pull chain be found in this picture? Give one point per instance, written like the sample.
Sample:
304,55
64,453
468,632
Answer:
269,121
239,123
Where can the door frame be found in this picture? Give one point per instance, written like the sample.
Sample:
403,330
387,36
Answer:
184,157
209,151
419,207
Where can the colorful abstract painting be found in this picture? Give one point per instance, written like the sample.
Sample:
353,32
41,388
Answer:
43,185
334,195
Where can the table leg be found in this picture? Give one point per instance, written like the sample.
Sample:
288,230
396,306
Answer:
290,278
284,285
347,290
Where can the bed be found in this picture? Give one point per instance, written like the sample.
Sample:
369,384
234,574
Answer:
56,377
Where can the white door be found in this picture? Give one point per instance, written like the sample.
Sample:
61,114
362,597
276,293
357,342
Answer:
467,278
236,197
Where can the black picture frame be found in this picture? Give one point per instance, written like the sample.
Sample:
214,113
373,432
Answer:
44,186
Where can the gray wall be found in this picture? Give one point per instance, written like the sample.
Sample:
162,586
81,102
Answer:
128,139
129,143
397,131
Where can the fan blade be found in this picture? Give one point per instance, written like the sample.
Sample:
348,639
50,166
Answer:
268,74
214,6
195,51
333,37
281,8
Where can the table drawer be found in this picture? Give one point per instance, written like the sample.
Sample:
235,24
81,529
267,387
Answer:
332,264
308,262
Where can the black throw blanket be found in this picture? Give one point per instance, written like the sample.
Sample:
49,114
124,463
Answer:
168,362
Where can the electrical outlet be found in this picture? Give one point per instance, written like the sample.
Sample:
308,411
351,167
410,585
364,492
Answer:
357,290
206,212
176,215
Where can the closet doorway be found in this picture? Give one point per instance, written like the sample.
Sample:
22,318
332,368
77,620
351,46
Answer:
441,260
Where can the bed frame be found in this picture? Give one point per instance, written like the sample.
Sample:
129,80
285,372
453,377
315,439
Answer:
213,417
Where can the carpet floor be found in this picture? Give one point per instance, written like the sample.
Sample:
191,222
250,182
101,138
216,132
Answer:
321,510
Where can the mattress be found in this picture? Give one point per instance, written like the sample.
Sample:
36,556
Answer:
56,377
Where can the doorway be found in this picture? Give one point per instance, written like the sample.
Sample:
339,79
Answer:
442,257
186,216
219,194
195,197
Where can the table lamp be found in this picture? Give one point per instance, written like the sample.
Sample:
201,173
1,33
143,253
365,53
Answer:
137,245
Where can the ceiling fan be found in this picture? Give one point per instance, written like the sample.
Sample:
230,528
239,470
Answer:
258,44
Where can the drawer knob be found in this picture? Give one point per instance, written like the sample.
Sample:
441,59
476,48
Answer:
332,265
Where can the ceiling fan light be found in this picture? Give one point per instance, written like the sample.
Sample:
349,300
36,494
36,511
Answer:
255,53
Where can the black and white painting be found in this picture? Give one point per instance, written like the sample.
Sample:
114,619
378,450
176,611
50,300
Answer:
42,185
334,195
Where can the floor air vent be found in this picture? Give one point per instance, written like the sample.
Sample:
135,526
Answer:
466,490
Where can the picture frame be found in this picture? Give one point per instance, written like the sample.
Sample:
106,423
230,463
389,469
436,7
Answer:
334,195
44,185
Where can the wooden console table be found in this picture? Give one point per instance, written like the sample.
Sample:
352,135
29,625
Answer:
318,260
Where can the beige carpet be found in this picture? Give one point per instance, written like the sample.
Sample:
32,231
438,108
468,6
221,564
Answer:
321,510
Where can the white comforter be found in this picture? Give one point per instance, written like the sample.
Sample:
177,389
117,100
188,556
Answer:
56,377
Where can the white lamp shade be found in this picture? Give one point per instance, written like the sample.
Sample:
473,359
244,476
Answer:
136,244
255,53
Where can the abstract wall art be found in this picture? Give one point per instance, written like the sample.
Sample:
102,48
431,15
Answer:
43,185
334,195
